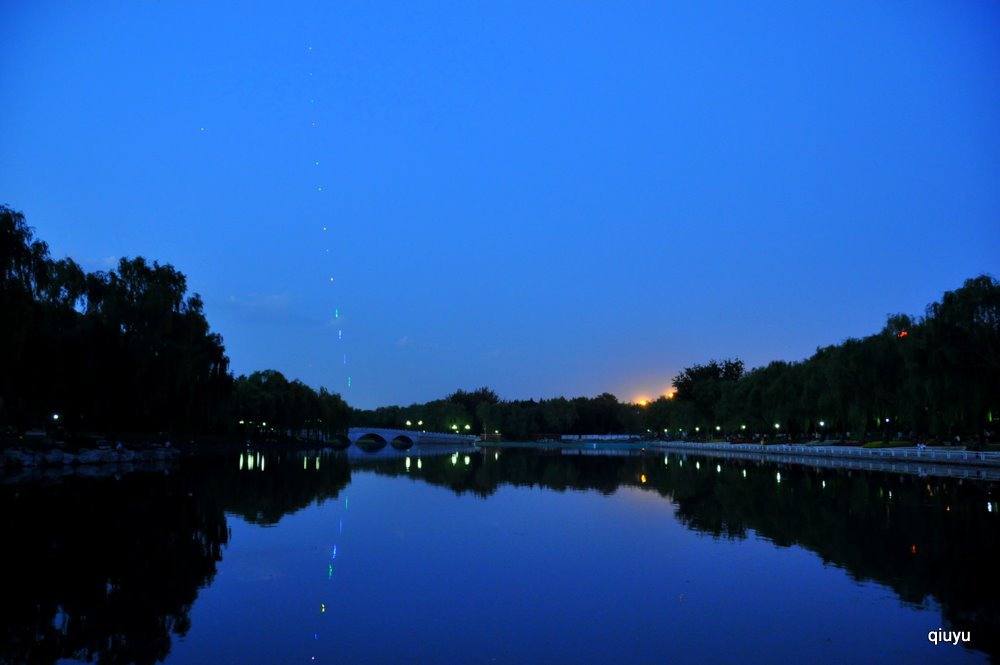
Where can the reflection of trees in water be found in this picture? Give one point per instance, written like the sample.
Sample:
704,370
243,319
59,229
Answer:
108,570
924,538
103,570
282,488
483,475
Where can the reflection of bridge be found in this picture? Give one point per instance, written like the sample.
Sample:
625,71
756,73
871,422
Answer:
375,438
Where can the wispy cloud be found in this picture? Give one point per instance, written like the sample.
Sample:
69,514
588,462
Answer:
263,308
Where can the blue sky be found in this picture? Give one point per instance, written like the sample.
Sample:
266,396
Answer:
558,198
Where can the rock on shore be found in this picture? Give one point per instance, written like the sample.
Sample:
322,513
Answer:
21,457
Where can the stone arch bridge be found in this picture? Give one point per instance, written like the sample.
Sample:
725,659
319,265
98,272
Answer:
373,439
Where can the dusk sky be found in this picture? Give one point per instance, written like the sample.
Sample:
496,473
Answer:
547,198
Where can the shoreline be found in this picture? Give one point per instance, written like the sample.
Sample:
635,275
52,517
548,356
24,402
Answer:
955,463
940,456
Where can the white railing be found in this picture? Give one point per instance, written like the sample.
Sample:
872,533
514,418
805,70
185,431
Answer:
933,455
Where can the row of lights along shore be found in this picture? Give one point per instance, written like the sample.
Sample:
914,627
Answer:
777,426
420,423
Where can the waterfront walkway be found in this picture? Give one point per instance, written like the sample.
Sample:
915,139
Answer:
920,461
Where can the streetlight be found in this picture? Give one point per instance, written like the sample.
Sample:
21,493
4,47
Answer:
408,423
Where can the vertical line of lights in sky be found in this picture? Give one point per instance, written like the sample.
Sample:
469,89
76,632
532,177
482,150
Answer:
317,167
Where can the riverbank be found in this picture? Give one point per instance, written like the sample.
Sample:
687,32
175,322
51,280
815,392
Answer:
40,456
949,455
949,463
24,457
921,461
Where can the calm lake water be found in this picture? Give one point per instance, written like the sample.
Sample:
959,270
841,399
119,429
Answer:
498,557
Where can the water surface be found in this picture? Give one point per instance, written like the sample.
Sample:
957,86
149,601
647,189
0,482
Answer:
499,557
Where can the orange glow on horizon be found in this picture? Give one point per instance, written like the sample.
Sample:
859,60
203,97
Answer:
644,399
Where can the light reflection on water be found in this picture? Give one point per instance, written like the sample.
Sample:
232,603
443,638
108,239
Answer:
517,557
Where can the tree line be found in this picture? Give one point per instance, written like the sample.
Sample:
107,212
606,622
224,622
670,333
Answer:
129,349
934,375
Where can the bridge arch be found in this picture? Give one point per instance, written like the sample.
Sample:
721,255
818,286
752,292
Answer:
371,442
402,442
